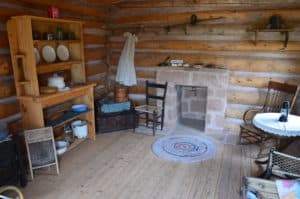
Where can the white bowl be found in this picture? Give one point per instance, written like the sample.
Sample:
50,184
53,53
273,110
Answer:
61,144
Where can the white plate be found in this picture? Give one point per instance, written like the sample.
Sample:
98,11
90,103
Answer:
62,52
37,55
61,151
48,54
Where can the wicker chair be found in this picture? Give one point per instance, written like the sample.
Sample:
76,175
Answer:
264,189
282,165
277,93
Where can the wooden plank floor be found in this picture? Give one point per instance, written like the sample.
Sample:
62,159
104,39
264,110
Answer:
121,165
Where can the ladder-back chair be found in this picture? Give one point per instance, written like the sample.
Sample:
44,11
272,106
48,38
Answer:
156,111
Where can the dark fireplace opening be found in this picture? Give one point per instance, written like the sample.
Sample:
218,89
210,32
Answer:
192,106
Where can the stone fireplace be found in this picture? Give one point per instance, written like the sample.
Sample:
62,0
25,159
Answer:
214,84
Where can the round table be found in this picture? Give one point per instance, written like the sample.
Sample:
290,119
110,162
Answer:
268,122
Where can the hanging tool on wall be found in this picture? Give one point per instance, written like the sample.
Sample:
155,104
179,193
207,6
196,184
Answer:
193,21
165,62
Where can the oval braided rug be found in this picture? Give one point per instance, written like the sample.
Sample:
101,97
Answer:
184,148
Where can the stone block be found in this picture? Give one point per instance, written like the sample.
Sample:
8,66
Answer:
219,121
172,114
208,118
220,93
215,105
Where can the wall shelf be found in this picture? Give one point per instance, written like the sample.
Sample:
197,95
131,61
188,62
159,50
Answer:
284,31
57,66
44,42
65,118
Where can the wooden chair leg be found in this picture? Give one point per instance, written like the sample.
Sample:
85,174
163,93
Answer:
31,172
147,119
137,121
162,120
154,122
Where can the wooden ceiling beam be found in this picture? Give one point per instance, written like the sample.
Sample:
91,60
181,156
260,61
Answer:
192,3
68,6
103,2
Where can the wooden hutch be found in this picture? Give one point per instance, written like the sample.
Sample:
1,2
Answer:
28,73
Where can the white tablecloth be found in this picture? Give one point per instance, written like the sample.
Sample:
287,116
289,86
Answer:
269,123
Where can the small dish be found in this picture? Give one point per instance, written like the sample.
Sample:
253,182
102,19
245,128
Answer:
48,90
61,151
66,88
61,144
62,53
37,55
48,54
79,108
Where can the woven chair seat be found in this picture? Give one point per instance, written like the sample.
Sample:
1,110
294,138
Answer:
149,109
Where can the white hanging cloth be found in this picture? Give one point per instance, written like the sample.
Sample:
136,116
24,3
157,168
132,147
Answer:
126,71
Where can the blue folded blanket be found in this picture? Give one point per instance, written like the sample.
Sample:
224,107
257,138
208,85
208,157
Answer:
115,107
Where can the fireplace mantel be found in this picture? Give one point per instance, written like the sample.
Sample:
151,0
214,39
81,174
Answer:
216,81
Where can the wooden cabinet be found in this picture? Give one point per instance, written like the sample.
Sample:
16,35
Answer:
29,75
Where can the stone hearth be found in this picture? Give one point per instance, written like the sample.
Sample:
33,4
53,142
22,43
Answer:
216,82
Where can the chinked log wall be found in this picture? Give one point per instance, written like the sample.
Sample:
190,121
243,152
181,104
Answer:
95,34
224,42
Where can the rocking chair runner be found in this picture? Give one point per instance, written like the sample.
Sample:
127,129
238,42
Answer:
277,93
157,112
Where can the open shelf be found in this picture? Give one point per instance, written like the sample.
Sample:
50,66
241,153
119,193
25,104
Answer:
57,66
45,42
272,30
75,143
47,100
284,31
65,118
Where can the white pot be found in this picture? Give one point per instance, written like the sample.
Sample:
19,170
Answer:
56,81
80,128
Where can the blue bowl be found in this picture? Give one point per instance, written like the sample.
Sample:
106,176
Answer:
79,108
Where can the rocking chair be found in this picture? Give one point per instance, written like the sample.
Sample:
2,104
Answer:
277,93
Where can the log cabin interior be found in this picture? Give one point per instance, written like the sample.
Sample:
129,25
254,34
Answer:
87,75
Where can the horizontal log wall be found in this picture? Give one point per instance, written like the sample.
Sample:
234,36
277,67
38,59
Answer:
95,34
224,42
